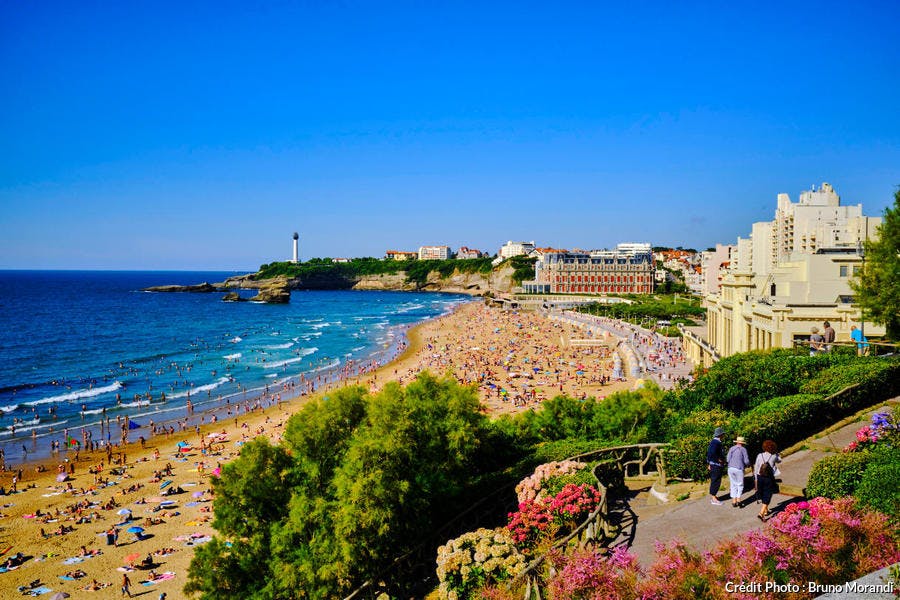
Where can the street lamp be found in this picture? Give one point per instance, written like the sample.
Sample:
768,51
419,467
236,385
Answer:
861,252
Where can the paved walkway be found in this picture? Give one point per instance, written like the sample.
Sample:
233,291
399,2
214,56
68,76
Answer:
658,357
701,525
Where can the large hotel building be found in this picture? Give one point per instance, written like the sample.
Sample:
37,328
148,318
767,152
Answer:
629,269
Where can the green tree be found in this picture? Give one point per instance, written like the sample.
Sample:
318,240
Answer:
878,286
251,498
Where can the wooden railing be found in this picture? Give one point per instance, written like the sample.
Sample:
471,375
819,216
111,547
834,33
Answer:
596,528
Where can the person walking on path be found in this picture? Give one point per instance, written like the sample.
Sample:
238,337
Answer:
764,469
715,463
828,334
738,460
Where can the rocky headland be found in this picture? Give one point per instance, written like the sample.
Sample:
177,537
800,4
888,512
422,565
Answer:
277,290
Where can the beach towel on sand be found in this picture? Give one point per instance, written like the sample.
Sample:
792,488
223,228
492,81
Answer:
161,577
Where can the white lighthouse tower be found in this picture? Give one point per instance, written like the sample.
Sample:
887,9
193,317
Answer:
296,258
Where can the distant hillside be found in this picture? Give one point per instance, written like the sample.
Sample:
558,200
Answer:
470,276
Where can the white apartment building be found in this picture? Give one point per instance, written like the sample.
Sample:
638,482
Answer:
713,264
434,252
791,274
510,249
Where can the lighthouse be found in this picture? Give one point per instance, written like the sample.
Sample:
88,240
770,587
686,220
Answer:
296,258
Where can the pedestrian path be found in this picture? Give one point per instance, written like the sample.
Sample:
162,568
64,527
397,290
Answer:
702,525
650,354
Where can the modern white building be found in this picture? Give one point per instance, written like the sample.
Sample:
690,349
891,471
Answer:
510,249
790,275
434,252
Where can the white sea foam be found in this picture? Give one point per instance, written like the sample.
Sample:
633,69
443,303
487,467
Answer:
272,375
324,367
234,356
408,307
236,339
280,346
202,388
320,325
77,395
10,408
303,353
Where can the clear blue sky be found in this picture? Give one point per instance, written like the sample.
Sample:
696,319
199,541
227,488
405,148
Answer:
191,135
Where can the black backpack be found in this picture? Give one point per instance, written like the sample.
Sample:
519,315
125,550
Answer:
765,469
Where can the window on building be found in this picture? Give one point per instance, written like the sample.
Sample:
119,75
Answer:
844,270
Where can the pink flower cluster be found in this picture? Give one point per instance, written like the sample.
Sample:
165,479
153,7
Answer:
545,517
826,541
531,488
865,438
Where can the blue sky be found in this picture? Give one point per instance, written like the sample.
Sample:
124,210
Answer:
201,135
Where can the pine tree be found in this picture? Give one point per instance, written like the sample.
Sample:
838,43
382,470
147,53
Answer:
878,286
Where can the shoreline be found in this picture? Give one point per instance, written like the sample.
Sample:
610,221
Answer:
100,487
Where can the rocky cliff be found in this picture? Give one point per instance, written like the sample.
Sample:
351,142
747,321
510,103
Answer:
277,290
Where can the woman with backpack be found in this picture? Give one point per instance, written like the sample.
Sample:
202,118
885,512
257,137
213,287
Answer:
764,470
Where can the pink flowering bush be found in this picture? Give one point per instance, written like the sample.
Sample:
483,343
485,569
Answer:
587,575
540,520
822,540
884,427
531,488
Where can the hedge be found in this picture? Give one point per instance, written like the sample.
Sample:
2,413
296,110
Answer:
879,486
838,475
745,380
686,457
872,373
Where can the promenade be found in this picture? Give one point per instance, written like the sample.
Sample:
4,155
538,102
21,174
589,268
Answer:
647,353
702,525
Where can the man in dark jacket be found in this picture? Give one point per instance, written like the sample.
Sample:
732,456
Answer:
715,461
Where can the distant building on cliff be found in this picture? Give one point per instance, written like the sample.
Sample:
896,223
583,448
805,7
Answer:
400,255
629,269
434,252
465,252
511,248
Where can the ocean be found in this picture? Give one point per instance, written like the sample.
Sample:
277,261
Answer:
83,350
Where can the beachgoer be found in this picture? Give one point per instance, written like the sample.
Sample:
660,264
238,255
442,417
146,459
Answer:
828,335
765,470
715,463
126,585
738,460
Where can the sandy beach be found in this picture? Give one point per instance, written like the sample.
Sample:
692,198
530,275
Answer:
66,530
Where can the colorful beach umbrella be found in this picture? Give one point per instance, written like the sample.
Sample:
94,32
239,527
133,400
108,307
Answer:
132,557
124,511
135,529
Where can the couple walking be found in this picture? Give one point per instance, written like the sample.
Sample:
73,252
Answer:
737,459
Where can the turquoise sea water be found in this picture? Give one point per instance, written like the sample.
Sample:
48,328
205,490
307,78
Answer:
80,347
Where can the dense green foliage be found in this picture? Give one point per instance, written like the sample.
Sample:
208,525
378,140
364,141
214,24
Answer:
417,271
838,475
654,308
358,482
360,479
744,380
878,287
879,486
523,268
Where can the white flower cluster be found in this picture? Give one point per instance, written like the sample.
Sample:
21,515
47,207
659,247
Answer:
530,487
475,559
